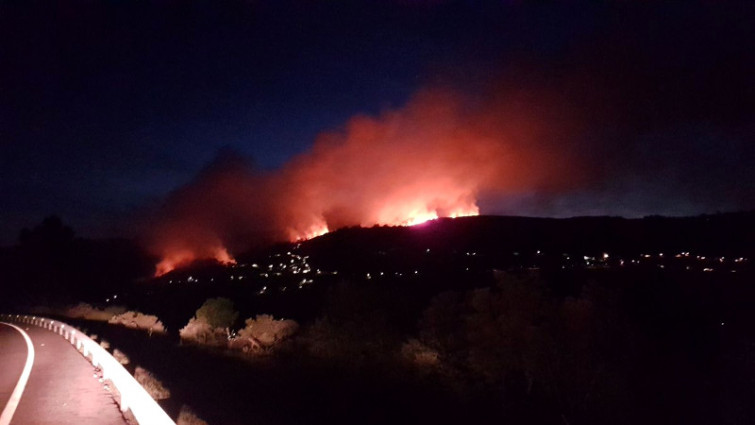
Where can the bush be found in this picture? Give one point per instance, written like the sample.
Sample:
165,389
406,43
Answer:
137,320
217,312
419,354
154,387
268,331
211,323
519,337
86,311
199,332
348,342
359,325
120,356
263,333
187,417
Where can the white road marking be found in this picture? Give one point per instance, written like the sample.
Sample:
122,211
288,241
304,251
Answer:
15,397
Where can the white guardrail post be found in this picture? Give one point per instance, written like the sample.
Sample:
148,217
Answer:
134,397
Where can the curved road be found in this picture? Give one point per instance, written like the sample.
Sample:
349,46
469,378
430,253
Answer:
61,388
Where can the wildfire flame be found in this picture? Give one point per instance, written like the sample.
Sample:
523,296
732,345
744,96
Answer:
411,213
395,215
425,216
317,229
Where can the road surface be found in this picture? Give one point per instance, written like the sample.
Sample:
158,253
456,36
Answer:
61,388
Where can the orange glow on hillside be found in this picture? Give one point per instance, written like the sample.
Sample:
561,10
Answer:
394,215
421,218
183,257
412,213
315,230
424,217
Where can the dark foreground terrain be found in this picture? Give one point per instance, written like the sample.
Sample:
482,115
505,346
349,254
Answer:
478,320
584,347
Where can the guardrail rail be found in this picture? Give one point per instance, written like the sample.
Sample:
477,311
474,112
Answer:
133,396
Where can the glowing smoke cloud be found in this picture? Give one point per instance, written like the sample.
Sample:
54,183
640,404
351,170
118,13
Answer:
404,168
433,158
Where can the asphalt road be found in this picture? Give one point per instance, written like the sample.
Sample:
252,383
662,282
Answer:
61,388
13,352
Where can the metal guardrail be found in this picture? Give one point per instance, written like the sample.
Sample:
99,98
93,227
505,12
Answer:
133,396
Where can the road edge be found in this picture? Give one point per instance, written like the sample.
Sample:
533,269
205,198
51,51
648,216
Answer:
15,398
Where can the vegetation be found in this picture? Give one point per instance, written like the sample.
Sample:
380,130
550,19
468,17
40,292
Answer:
121,357
138,320
154,386
187,417
263,334
51,266
211,324
217,312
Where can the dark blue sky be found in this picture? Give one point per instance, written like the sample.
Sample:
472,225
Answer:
107,106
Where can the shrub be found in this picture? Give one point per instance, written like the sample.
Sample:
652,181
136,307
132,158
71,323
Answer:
263,333
199,332
419,354
86,311
211,323
348,342
137,320
217,312
519,337
187,417
120,356
359,325
154,387
268,331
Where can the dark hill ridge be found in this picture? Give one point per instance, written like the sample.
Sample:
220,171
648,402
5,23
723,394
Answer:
720,234
479,244
292,280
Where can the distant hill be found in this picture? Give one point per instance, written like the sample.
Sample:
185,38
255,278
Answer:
480,244
296,279
719,234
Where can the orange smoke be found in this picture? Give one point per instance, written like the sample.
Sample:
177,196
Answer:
433,158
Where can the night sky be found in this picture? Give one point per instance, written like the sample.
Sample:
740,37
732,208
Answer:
110,108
